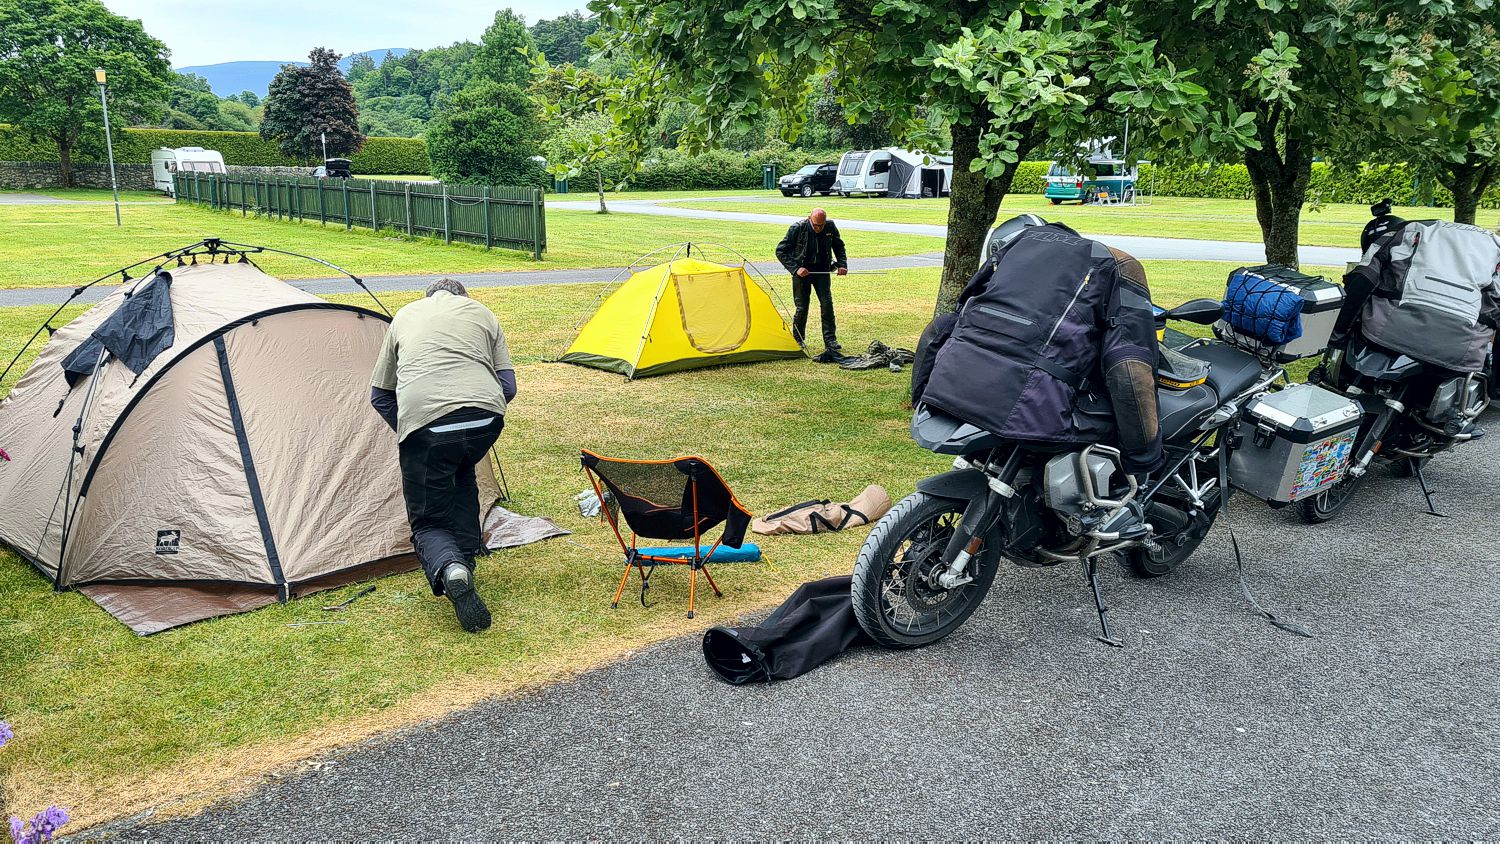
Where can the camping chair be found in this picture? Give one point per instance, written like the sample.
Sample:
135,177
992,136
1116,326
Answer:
677,499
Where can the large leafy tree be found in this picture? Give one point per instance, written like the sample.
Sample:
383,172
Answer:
304,103
1000,78
1462,141
561,39
1310,78
485,134
48,52
503,51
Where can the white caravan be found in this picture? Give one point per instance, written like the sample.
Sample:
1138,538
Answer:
894,172
165,162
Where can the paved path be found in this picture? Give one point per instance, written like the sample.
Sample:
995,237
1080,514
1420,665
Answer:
395,283
1210,724
33,199
1158,248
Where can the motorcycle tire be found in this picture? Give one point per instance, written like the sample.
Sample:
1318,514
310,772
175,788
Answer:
1327,504
905,544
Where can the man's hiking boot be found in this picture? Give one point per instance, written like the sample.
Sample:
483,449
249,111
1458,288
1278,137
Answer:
458,585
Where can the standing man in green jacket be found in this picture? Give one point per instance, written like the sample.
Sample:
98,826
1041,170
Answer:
812,248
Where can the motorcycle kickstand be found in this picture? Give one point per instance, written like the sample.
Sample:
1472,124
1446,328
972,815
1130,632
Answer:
1092,568
1426,491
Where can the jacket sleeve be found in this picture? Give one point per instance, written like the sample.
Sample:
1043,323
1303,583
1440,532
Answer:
786,250
384,402
1128,361
840,257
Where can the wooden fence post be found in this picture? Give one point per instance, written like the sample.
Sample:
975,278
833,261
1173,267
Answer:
487,235
322,214
348,220
536,229
374,217
407,187
447,235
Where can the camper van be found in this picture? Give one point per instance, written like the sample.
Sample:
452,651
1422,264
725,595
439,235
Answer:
893,172
165,162
1103,174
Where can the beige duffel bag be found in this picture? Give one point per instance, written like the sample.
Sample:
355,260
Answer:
825,516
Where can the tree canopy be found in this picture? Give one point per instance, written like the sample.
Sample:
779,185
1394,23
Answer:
485,134
305,103
998,80
48,52
562,39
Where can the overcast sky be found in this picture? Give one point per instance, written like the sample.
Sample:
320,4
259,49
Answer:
212,31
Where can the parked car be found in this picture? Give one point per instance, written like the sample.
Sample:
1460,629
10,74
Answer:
814,178
334,168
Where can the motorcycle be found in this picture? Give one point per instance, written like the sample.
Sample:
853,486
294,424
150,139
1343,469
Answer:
1411,411
927,565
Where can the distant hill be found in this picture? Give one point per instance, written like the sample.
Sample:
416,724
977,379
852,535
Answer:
233,77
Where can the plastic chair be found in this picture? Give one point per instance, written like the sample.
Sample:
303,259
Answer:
678,499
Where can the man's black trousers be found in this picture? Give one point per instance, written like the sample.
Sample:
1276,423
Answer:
802,288
442,497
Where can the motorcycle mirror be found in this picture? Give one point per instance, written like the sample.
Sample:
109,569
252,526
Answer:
1200,311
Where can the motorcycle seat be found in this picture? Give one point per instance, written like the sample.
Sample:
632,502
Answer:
1230,371
1180,410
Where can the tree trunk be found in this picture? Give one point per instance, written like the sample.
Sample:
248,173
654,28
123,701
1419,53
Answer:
972,206
1468,181
1279,180
65,159
599,175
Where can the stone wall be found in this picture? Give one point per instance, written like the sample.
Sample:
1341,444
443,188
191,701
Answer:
43,175
270,171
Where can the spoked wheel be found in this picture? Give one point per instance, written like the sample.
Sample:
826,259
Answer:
897,598
1328,503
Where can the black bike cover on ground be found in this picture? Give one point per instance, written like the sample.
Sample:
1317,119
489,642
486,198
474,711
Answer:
815,625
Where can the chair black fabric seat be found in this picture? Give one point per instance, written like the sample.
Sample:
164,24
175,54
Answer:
677,499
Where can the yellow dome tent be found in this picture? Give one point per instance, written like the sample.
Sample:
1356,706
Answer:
683,314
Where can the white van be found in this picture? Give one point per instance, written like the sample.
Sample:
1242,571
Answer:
893,172
165,162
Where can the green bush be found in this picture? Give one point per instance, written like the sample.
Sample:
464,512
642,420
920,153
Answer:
134,146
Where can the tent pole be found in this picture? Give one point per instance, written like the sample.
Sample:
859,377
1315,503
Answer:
666,276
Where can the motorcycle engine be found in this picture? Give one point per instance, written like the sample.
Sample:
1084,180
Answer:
1456,401
1063,487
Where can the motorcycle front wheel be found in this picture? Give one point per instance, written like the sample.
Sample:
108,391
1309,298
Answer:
1328,503
897,599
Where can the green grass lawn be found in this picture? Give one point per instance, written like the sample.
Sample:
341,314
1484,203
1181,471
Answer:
1206,219
63,245
95,194
109,723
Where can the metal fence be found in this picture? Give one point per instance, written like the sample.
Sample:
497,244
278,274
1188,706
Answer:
514,218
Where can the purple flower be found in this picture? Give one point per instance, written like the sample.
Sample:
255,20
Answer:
6,733
42,827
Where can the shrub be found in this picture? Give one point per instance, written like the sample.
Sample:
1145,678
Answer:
134,146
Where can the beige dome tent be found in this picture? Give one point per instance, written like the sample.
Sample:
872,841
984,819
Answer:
239,466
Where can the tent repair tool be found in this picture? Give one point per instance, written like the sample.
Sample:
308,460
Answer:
345,605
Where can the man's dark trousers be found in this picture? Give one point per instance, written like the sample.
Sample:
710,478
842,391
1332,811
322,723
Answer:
442,496
802,289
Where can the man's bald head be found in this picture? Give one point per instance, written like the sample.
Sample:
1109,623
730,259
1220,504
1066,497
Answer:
818,217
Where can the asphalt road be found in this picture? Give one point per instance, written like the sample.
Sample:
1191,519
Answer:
1155,248
1210,724
397,283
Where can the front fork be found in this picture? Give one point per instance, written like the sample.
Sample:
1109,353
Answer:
979,518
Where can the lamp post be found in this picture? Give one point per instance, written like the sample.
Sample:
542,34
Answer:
109,144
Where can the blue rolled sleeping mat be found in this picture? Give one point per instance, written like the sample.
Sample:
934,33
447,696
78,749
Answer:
747,553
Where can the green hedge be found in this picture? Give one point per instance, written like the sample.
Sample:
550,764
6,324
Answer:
1364,185
133,146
